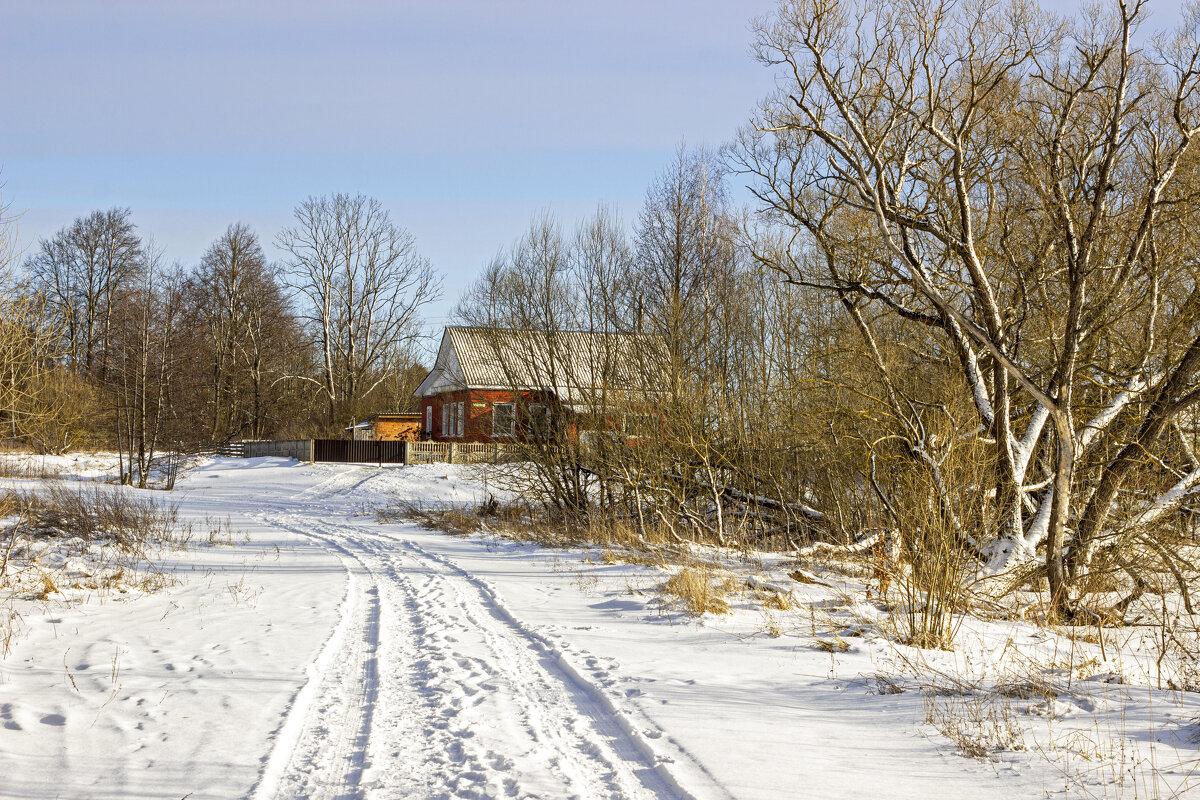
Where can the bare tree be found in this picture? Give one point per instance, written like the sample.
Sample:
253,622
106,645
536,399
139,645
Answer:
239,305
82,271
684,259
362,285
146,334
1021,188
24,348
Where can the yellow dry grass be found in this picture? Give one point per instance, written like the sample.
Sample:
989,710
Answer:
693,590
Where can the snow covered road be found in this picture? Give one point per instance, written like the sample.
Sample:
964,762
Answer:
334,657
473,703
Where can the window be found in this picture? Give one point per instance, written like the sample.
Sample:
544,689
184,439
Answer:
449,419
539,420
454,419
504,418
429,418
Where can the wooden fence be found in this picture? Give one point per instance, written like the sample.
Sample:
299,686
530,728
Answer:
456,453
347,451
299,449
231,449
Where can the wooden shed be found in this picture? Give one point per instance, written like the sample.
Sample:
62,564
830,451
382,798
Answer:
388,426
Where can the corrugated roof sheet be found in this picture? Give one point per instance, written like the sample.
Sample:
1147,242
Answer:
505,358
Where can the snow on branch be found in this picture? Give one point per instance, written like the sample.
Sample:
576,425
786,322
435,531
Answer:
1168,502
1099,423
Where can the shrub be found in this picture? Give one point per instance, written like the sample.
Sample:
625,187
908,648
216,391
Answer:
127,520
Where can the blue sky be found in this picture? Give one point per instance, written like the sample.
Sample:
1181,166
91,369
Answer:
465,118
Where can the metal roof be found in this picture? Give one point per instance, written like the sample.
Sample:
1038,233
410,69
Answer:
562,361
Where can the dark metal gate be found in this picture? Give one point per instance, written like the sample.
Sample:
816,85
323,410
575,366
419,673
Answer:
346,451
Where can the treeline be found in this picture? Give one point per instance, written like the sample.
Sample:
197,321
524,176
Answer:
107,345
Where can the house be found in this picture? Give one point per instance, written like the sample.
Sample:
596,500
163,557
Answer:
496,384
388,426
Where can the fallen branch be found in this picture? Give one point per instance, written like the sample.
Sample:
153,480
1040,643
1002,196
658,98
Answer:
866,543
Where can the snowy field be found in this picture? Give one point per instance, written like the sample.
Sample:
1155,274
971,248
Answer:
324,654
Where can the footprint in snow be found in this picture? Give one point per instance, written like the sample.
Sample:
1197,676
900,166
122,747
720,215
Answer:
7,715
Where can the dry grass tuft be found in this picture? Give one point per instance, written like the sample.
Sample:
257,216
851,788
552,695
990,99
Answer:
92,537
23,466
450,519
777,601
11,627
979,726
885,684
800,576
48,587
833,643
621,541
130,522
693,590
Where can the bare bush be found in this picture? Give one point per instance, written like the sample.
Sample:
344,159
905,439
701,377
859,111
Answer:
979,726
362,284
125,520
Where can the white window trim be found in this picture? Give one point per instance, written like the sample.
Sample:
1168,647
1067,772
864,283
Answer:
462,419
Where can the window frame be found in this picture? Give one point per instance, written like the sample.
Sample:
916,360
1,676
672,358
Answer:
512,420
543,428
451,420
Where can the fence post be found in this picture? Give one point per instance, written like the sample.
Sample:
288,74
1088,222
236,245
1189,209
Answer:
312,451
404,453
451,455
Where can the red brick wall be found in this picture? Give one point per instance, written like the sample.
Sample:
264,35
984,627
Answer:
478,410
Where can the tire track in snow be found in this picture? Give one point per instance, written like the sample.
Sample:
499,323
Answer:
320,748
618,724
492,707
317,748
410,751
342,482
507,686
